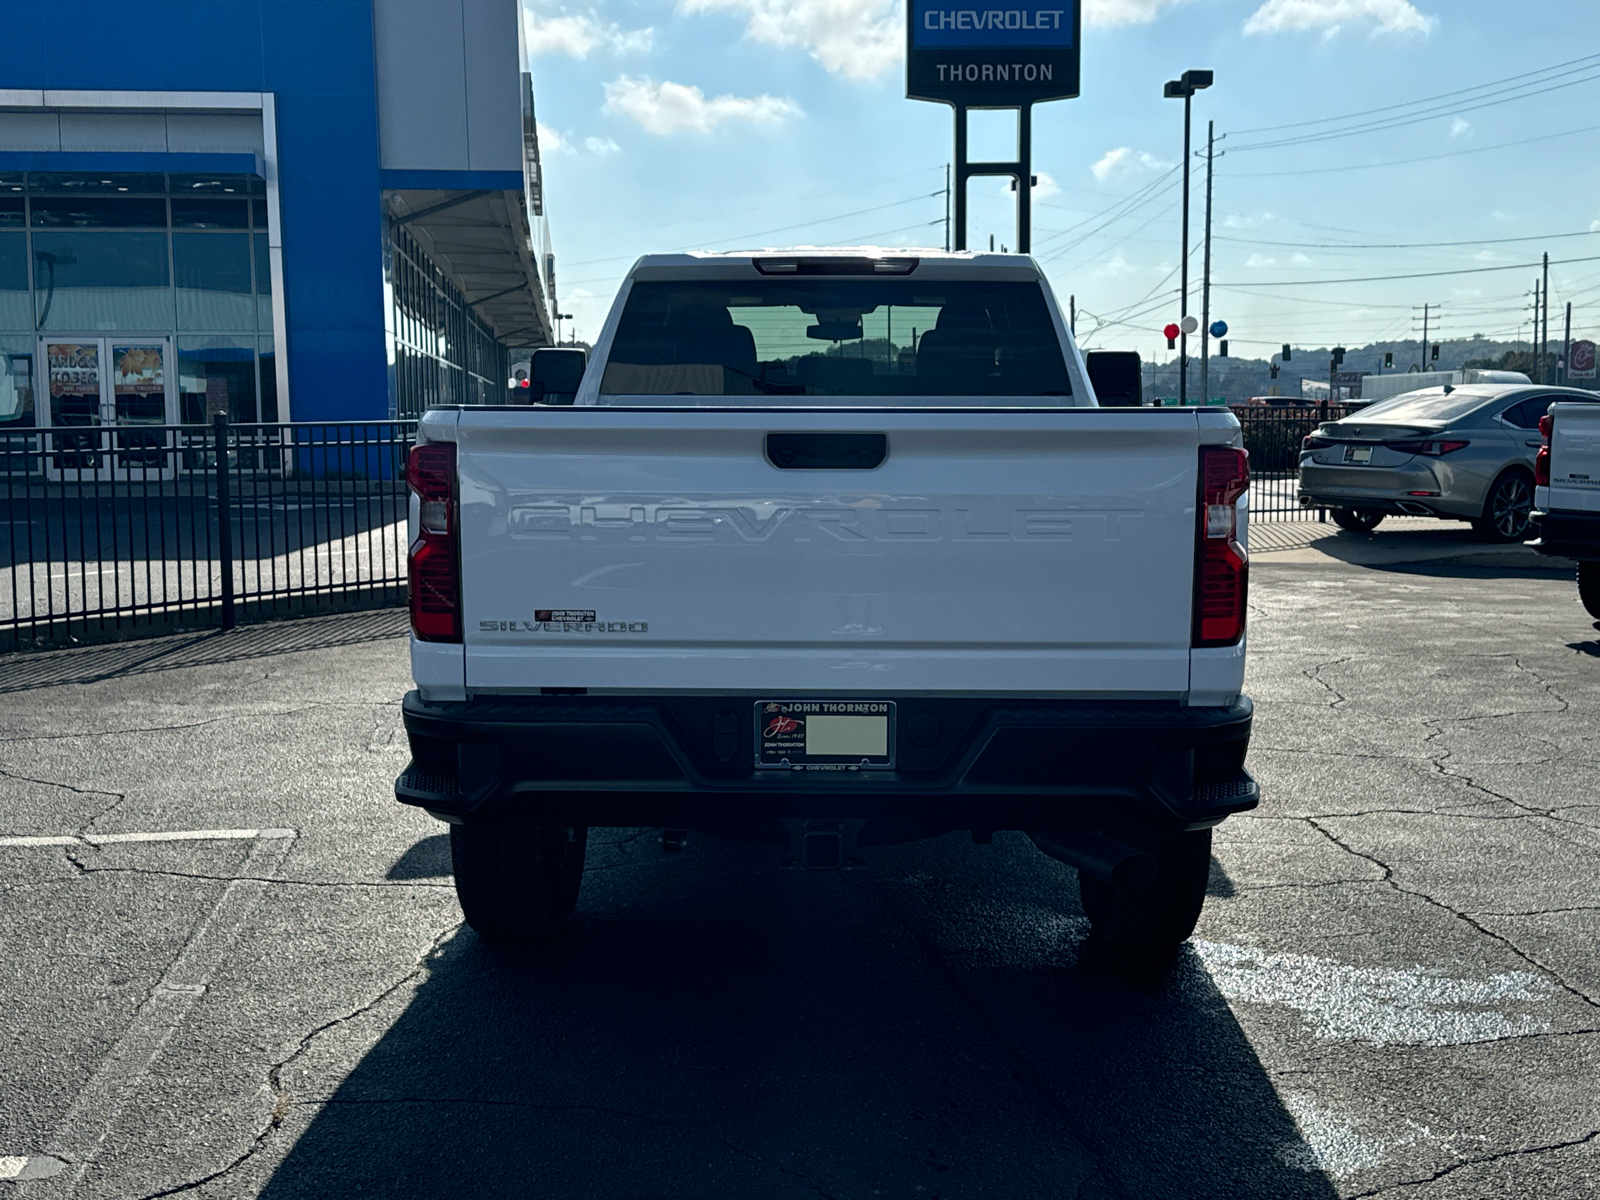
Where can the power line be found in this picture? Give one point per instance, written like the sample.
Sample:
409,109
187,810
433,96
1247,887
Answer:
1400,162
1543,237
1417,275
1367,112
1425,115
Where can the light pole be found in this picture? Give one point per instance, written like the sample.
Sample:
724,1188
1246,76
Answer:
1184,88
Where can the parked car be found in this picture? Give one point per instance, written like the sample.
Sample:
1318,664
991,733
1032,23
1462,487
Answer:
1457,453
1567,493
770,577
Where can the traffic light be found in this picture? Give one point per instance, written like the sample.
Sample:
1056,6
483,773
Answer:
1388,358
1436,352
1224,352
1338,356
1272,368
1285,355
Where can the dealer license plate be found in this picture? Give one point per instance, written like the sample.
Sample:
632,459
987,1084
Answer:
825,735
1358,454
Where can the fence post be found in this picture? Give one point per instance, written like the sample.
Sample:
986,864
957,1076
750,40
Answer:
219,426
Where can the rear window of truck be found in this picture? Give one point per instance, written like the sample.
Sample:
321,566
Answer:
836,337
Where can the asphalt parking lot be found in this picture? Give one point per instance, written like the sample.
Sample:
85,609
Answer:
236,967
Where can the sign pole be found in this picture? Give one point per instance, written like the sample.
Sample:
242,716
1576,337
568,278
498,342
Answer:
961,175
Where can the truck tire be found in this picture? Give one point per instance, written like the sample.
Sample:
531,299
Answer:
1139,930
1507,510
1589,587
517,884
1357,520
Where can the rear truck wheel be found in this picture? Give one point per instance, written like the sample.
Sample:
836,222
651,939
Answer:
1357,520
1138,929
1507,510
1589,587
517,884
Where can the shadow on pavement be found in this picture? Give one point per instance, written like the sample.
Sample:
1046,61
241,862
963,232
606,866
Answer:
756,1032
25,671
427,859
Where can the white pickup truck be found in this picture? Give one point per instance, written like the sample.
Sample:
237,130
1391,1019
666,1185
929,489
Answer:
1566,493
831,550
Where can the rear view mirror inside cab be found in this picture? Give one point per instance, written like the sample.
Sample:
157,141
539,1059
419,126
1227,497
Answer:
1117,376
556,374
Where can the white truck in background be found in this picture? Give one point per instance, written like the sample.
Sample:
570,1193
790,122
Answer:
831,550
1566,493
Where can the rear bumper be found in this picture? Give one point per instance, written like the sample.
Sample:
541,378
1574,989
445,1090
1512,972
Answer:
1569,535
686,762
1382,489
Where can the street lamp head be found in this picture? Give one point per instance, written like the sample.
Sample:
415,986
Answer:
1194,81
1173,90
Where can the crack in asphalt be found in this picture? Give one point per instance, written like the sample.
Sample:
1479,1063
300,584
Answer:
1465,918
1315,675
178,728
1479,1161
281,1102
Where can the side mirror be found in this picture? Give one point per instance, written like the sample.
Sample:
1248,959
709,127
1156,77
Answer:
1117,378
555,374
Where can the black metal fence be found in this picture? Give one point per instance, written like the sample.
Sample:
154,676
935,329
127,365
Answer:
112,530
1273,437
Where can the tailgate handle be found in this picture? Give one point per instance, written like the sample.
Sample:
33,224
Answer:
827,451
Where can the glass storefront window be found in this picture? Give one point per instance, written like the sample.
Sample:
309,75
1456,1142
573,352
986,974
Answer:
263,283
109,281
216,375
213,273
16,381
217,185
94,181
207,212
99,212
11,212
14,282
258,213
269,381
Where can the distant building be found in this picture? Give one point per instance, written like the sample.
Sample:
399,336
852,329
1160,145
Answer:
275,210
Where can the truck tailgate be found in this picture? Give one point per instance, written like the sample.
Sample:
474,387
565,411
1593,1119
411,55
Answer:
1045,552
1575,458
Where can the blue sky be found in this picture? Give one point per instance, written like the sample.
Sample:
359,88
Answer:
726,124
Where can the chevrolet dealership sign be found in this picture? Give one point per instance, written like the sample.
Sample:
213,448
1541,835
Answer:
960,53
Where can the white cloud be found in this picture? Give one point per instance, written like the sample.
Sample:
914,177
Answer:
1044,187
1594,226
551,141
1125,161
1301,260
1504,217
1257,261
1107,14
1329,16
601,146
1460,128
860,39
1247,220
576,35
667,108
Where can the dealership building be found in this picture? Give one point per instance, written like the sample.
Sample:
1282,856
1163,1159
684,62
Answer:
308,210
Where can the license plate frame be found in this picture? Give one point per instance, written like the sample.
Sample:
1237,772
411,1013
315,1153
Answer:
1360,456
828,736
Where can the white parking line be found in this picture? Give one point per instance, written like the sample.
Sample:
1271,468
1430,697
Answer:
83,1131
173,835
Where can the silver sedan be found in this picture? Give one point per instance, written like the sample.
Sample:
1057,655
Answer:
1460,454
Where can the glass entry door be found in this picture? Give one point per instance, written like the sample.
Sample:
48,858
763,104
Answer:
107,401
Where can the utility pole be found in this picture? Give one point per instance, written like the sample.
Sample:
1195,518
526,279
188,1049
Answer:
1533,337
1544,330
1422,355
1205,284
1566,347
947,207
1072,307
1184,88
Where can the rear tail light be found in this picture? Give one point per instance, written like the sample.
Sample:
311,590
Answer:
1222,568
1433,448
434,560
1313,442
1541,460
